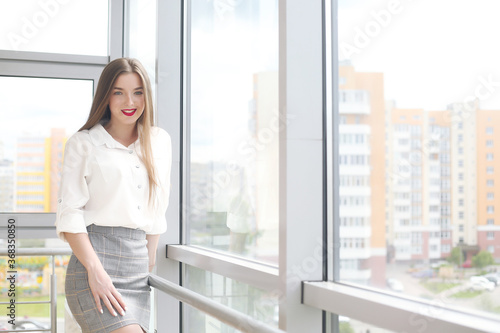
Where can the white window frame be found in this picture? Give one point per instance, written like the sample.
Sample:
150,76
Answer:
59,66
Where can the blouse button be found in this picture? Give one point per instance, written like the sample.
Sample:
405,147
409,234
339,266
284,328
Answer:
139,207
137,166
139,186
59,200
130,151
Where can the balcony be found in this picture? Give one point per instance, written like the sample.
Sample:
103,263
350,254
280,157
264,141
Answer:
352,107
355,211
356,232
351,253
361,276
359,191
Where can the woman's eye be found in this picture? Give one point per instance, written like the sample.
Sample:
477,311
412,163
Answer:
117,93
138,92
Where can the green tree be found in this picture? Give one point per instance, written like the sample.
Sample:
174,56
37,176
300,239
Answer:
456,256
482,259
345,327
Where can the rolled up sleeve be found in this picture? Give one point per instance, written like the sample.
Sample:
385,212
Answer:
73,190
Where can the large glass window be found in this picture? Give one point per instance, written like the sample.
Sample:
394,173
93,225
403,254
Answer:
38,116
55,26
141,41
234,126
445,102
254,302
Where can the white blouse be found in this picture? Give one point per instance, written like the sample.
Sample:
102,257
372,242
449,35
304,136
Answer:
105,183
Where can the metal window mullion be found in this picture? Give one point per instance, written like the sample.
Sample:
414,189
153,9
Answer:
169,117
116,29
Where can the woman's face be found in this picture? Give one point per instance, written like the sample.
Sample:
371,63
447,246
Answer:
126,101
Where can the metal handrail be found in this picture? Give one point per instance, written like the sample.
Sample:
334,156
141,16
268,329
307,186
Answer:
53,283
221,312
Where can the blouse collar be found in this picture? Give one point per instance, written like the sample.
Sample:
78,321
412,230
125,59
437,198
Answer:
100,136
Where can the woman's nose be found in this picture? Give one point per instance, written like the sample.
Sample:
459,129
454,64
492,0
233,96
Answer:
130,100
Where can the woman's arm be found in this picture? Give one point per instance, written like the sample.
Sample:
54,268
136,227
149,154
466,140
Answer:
152,246
100,283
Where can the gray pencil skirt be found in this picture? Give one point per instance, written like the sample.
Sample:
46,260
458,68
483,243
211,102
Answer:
124,255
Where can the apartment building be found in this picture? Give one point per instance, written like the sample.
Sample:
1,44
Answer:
361,172
38,166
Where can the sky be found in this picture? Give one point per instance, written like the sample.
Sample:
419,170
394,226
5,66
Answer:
432,52
32,106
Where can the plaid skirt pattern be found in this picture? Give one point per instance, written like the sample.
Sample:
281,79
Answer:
124,256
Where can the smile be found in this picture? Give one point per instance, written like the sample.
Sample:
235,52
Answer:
129,112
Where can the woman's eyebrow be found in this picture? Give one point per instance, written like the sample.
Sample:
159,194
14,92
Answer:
118,88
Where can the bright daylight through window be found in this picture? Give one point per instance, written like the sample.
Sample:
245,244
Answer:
419,110
234,128
34,129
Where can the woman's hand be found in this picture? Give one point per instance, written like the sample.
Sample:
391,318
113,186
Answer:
100,283
102,288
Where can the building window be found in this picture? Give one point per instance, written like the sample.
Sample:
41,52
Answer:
460,189
445,248
490,196
490,182
489,157
461,202
490,209
461,163
490,235
489,170
491,248
461,227
461,176
489,143
489,130
460,150
490,222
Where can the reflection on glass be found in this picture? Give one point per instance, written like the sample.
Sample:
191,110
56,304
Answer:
33,284
417,136
256,303
234,128
38,115
55,26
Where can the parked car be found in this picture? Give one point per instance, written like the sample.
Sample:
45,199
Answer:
480,283
493,278
395,285
424,273
467,264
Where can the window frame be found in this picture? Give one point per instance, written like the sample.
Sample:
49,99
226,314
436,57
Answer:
59,66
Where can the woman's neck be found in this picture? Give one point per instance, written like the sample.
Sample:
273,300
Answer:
126,135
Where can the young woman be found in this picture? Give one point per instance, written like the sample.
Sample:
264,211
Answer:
112,201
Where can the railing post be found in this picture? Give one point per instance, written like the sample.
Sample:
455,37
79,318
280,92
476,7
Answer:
53,302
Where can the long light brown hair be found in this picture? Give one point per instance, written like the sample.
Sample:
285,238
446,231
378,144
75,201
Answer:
100,109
